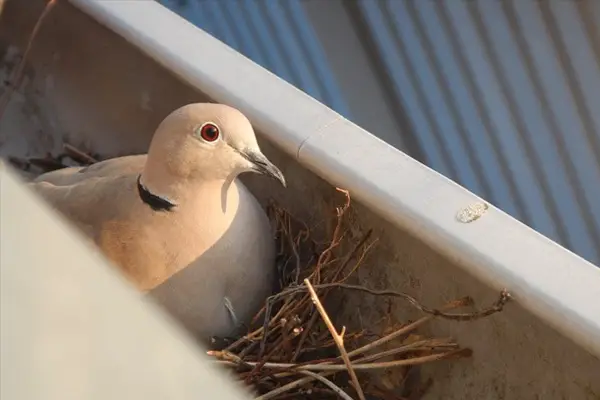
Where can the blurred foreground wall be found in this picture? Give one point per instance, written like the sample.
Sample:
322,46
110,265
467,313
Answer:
71,328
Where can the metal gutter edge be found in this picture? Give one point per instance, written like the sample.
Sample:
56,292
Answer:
550,281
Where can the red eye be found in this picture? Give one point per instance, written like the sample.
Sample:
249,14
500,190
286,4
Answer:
209,132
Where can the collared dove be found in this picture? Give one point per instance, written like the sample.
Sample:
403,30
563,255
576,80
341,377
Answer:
176,221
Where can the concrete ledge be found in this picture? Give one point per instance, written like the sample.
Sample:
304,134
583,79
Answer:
551,282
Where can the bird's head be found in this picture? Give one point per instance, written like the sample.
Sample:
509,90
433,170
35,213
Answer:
211,142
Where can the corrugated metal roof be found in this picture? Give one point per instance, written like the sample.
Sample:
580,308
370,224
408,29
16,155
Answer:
276,35
502,96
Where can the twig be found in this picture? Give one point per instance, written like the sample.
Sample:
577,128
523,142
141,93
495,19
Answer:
360,259
337,273
297,268
334,278
303,381
265,328
80,155
18,76
402,331
287,387
458,303
338,337
357,367
330,384
315,392
408,328
494,308
415,346
267,320
336,238
363,240
422,345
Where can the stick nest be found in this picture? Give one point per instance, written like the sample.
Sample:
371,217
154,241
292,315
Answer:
293,349
297,352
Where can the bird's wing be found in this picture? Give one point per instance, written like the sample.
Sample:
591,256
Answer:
89,200
103,169
109,213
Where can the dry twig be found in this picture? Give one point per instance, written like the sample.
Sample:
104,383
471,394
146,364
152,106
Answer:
328,366
338,337
78,155
288,387
336,389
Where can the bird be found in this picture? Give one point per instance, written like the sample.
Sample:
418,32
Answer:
176,221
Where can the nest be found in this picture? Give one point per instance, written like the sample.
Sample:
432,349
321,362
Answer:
296,351
293,349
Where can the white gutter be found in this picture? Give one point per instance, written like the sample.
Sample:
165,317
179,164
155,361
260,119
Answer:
548,280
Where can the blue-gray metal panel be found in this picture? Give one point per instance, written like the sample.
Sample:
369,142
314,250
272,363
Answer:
275,34
505,98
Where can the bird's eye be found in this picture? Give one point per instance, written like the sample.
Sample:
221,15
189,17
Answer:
209,132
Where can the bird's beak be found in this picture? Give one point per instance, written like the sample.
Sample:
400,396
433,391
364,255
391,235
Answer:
262,165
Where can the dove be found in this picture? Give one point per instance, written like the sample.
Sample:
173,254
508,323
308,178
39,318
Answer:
177,222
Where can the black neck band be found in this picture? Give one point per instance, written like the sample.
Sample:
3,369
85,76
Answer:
155,202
